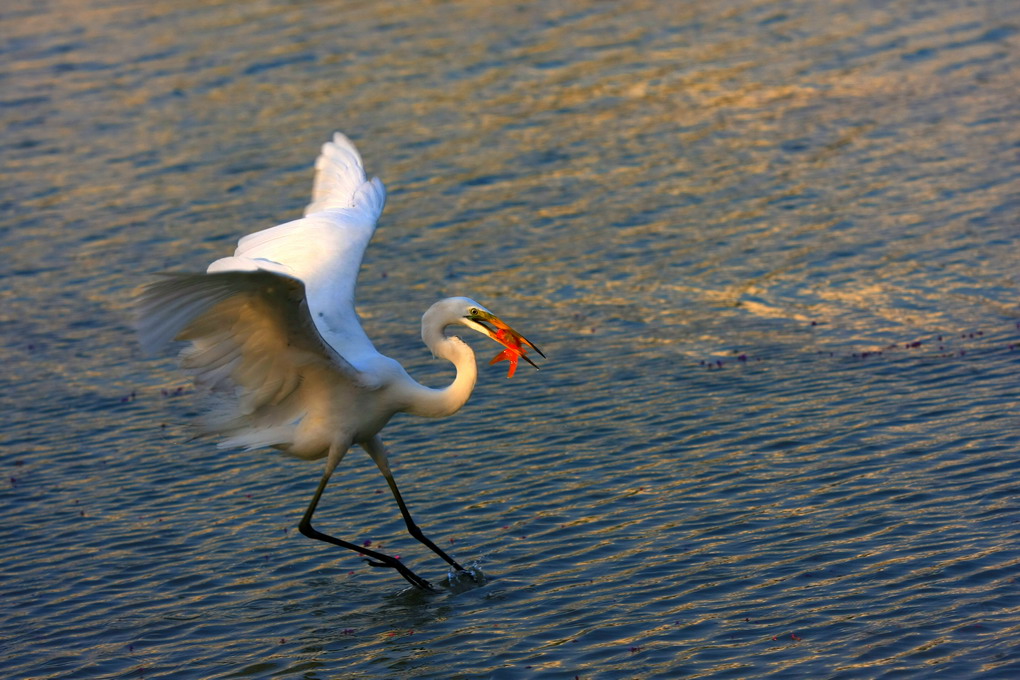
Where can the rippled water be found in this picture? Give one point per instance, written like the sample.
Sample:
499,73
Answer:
771,249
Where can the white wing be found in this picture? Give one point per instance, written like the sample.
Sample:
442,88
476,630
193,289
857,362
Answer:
273,329
253,348
339,174
324,249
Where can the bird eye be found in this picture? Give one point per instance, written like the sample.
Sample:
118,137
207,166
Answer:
473,311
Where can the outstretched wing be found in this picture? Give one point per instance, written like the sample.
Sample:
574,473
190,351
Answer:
324,249
273,329
257,313
253,347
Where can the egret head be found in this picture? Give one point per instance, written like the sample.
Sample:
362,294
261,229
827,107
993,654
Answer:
467,312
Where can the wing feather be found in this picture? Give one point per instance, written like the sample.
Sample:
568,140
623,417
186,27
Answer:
253,349
339,173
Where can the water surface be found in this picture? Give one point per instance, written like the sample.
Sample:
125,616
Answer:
771,249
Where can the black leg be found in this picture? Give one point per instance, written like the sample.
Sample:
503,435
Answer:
377,450
378,559
413,529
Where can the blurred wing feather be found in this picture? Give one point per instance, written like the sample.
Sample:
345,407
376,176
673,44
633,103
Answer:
253,347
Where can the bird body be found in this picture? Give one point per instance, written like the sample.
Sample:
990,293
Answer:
276,343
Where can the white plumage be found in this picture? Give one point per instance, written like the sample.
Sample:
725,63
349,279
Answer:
275,342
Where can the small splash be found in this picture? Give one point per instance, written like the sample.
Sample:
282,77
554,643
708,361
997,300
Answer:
471,577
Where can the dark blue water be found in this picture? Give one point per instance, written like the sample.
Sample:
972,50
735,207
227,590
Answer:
771,249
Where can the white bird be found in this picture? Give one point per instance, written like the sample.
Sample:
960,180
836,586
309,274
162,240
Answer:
276,342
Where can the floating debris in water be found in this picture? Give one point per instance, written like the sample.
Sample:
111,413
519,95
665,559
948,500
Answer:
943,346
173,392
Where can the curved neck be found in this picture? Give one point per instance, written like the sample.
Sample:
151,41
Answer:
443,402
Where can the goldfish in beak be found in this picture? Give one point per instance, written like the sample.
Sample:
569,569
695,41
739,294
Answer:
501,332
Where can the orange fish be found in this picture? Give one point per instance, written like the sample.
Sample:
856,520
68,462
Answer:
514,343
498,330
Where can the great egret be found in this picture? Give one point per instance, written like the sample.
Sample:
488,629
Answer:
276,342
